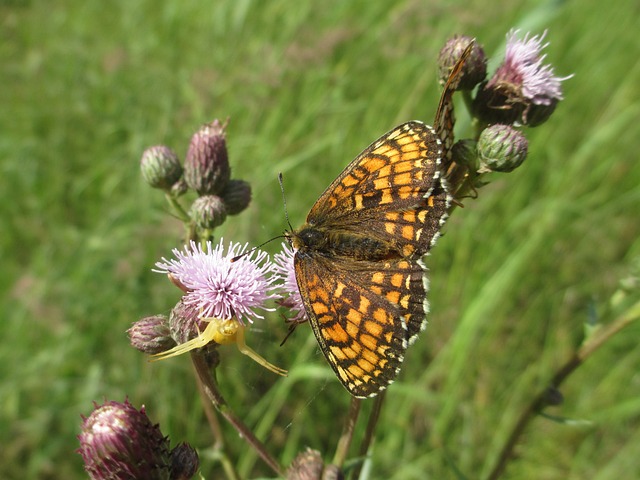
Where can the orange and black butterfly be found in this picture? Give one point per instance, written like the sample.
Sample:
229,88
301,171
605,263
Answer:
359,258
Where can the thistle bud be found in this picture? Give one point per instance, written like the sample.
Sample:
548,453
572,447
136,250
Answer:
151,335
208,212
501,148
474,70
236,196
184,462
184,322
308,465
206,166
160,167
119,442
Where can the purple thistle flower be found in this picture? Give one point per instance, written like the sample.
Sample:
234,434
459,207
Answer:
220,288
284,268
120,442
523,89
523,59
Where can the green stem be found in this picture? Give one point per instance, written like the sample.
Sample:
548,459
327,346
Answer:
177,208
210,389
539,401
216,429
369,434
344,443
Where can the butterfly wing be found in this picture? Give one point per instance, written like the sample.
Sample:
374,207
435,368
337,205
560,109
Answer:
394,191
445,118
363,314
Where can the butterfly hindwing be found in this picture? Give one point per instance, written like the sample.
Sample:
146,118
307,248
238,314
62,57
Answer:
363,316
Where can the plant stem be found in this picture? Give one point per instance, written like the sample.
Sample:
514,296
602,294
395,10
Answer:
177,208
538,402
344,443
369,434
216,429
210,389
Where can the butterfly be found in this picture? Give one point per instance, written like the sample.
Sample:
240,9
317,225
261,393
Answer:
359,258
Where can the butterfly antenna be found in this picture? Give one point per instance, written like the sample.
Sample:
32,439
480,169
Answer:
251,250
286,214
284,200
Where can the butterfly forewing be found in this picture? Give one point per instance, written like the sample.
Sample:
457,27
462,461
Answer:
393,191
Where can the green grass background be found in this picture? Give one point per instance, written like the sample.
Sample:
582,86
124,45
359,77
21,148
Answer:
86,86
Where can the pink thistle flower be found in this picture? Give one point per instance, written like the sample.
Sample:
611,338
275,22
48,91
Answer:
524,89
524,61
219,287
284,268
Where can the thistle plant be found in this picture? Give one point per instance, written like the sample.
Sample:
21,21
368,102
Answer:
226,287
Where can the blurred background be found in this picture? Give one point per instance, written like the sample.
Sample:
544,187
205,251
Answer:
88,85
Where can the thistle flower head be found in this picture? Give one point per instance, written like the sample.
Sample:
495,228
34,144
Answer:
284,269
151,334
206,166
236,196
160,167
523,62
219,287
524,89
474,70
208,212
501,148
120,442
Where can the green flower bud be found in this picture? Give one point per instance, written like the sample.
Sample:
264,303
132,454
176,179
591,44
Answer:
208,212
119,442
501,148
151,335
206,167
160,167
474,70
236,196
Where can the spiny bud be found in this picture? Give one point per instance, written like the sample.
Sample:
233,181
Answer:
208,212
160,167
184,322
119,442
206,166
236,196
501,148
151,335
308,465
474,70
184,462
